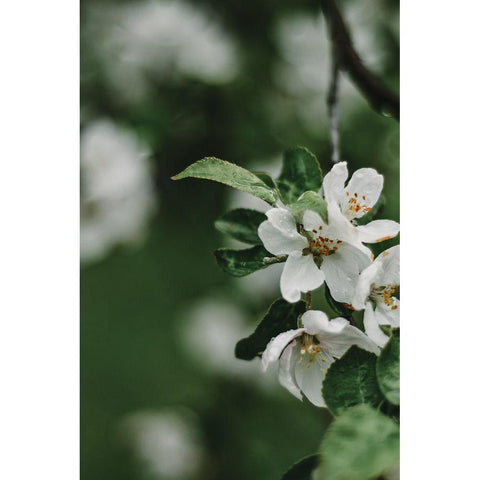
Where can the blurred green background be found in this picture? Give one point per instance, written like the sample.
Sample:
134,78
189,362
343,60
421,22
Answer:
163,84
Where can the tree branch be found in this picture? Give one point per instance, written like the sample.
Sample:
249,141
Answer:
380,97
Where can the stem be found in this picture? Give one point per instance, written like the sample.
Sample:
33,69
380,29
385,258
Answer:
332,106
380,97
277,259
309,300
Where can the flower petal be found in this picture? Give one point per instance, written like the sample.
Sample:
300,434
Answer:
312,221
277,344
340,336
378,231
371,324
390,261
334,182
310,375
279,233
316,322
342,270
365,186
286,371
300,274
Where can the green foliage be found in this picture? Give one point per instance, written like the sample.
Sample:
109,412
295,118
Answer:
309,201
242,224
360,444
211,168
300,172
352,380
281,316
388,368
241,262
303,469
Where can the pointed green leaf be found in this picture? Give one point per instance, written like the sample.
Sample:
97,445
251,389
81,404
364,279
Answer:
352,380
242,224
241,262
267,178
211,168
309,201
360,444
300,172
303,469
281,316
388,368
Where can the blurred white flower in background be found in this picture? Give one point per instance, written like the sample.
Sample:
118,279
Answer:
304,71
167,443
117,191
160,40
209,334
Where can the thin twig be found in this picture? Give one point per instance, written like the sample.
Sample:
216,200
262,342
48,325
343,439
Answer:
380,97
309,300
332,106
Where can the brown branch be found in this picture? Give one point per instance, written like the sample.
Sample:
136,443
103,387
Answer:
379,96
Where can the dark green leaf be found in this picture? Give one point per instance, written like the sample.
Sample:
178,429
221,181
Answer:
267,178
303,469
360,444
281,316
300,172
352,380
340,308
309,201
211,168
241,224
376,210
241,262
388,368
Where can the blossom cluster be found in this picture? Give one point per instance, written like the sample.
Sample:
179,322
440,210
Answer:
320,227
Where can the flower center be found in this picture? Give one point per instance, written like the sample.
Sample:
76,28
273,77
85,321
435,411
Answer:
309,350
385,295
323,246
355,205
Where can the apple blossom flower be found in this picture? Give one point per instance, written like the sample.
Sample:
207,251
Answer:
376,292
355,200
321,252
305,354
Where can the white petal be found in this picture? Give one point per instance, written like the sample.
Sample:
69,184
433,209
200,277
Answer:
334,182
372,329
390,262
388,316
365,182
310,376
300,274
364,285
342,270
276,345
286,371
341,336
378,231
316,322
312,221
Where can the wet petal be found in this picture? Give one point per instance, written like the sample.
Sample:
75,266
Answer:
276,345
300,274
365,188
378,231
334,182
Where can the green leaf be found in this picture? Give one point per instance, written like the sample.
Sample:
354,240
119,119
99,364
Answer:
281,316
352,380
241,224
267,178
211,168
241,262
309,201
303,469
300,172
360,444
388,368
376,210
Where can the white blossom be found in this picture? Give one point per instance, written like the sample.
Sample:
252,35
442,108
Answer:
166,442
305,354
376,292
320,253
348,203
117,192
